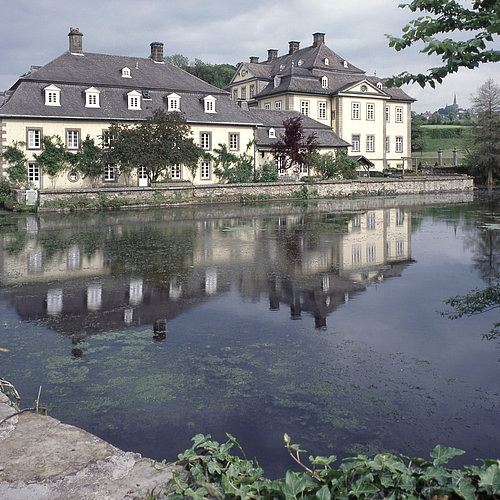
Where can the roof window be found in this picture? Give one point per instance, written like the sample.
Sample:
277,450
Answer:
52,95
92,98
173,102
209,104
134,100
126,72
272,133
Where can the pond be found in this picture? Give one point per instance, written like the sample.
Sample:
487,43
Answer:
319,319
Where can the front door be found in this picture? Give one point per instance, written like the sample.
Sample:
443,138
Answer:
143,177
34,175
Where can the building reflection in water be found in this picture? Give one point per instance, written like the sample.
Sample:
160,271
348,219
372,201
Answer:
308,263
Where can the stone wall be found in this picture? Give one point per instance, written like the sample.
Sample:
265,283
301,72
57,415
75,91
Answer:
234,192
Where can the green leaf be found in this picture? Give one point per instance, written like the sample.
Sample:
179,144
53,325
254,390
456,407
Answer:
441,454
363,486
465,490
323,493
296,483
490,479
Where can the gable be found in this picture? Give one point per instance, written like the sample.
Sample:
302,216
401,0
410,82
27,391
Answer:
363,87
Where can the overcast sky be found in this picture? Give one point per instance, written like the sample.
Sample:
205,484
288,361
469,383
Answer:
222,31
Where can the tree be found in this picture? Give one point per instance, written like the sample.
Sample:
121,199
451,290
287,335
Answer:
231,167
88,160
417,134
54,159
293,148
266,173
483,159
162,140
481,20
336,165
15,157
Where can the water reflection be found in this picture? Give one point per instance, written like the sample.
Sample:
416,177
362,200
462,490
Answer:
126,271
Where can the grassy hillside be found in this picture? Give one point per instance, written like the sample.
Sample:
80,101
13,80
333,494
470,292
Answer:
445,137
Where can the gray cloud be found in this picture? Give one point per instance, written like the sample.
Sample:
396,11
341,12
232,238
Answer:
223,31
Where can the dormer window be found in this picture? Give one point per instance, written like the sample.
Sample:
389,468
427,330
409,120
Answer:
324,82
134,100
326,61
126,72
272,133
277,81
379,85
92,98
209,104
173,102
345,64
52,96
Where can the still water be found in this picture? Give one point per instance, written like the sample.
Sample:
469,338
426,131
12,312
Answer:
318,319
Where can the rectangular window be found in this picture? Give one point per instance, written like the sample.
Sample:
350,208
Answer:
234,142
303,169
205,141
252,91
243,92
370,220
399,114
92,100
106,139
370,143
134,102
321,110
387,144
175,172
279,163
34,174
205,170
267,105
34,138
235,94
356,254
370,111
72,139
355,111
109,173
355,142
399,144
371,253
304,107
277,105
387,114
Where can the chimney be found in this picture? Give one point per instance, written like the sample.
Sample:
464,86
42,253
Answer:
272,54
318,39
75,41
157,51
254,59
293,47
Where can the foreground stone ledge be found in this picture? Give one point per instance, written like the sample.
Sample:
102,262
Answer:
219,193
44,459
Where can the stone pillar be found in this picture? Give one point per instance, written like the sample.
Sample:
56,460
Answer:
440,158
455,157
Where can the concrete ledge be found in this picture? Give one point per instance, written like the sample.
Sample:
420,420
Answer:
44,459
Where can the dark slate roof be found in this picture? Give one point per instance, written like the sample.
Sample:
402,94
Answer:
73,74
274,119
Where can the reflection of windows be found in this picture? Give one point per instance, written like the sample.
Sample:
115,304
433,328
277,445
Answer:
370,220
135,291
370,252
400,216
54,301
387,217
35,262
128,315
387,248
175,290
73,258
356,254
356,222
325,282
400,248
211,281
32,225
94,297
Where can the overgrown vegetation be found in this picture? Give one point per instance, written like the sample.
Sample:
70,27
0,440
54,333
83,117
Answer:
336,165
231,167
209,470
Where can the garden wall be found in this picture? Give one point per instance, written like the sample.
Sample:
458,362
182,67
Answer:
50,200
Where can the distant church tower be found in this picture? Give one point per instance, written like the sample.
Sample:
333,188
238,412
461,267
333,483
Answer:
455,100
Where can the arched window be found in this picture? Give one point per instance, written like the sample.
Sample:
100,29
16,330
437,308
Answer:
324,82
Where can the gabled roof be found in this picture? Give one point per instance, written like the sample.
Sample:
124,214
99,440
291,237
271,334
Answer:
274,119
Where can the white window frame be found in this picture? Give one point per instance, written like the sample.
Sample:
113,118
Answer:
370,143
355,111
235,94
126,72
173,102
267,105
134,100
277,105
356,142
72,139
176,172
52,95
106,139
205,170
272,133
209,104
34,173
387,144
243,93
206,141
252,91
370,111
279,163
304,107
109,173
92,98
399,114
234,141
322,109
324,82
399,144
34,138
387,114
